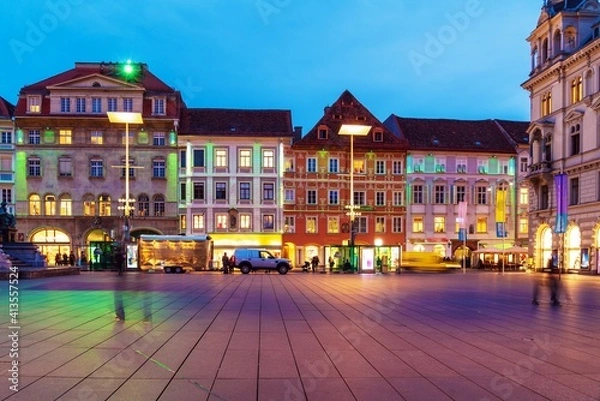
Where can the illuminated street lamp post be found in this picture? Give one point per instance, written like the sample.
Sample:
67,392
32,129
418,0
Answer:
352,131
126,118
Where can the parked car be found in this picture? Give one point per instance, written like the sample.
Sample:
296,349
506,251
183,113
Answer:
248,260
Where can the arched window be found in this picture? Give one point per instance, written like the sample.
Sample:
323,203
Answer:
159,205
65,205
50,205
104,205
35,205
545,50
143,205
89,205
556,43
588,87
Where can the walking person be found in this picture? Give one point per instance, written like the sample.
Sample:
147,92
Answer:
331,264
315,263
225,263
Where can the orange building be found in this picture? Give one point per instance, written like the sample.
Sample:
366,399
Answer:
319,171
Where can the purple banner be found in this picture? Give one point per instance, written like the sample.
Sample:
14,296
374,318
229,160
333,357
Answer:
560,181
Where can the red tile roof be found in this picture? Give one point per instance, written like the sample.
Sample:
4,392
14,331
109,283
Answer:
7,109
450,135
348,110
236,122
517,130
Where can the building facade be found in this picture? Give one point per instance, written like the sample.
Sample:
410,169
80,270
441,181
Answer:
230,177
7,153
564,136
323,169
70,171
454,161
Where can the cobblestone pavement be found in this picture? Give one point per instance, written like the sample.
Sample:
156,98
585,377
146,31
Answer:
271,337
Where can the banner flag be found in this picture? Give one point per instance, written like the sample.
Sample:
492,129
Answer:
462,214
500,205
560,181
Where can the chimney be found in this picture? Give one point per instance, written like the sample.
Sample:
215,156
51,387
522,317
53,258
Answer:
297,133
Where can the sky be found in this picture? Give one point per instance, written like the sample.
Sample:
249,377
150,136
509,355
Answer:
460,59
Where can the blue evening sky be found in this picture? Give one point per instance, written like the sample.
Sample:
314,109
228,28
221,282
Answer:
463,59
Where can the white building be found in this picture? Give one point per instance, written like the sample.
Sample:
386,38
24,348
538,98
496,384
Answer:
7,149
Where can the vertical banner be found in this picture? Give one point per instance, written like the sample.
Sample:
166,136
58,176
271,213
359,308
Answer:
462,221
560,181
501,213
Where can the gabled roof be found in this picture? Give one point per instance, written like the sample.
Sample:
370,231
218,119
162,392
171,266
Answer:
517,130
348,110
7,109
450,135
236,122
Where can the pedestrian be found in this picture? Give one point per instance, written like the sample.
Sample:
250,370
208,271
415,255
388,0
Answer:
57,260
72,259
119,259
65,259
551,281
331,264
315,263
225,262
83,260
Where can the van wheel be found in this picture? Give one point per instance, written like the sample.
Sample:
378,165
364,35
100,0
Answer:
167,270
245,269
283,269
178,270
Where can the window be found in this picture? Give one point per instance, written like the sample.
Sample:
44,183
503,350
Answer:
396,224
245,221
288,164
89,205
440,165
360,223
65,137
221,158
290,224
34,104
575,139
221,191
158,139
523,225
417,226
245,158
183,192
159,106
245,192
221,221
482,225
379,224
574,191
65,166
34,167
544,197
80,104
198,155
576,90
35,205
334,197
34,137
397,167
546,104
104,205
131,168
268,191
96,138
143,205
482,194
482,166
398,198
268,221
547,156
124,137
96,168
380,198
418,194
65,205
523,163
333,225
6,137
334,165
198,191
461,194
65,105
523,196
112,104
311,197
290,195
377,136
158,168
380,167
360,198
159,205
49,205
322,133
439,224
311,165
127,104
198,222
268,158
461,166
7,195
96,105
359,166
440,194
311,225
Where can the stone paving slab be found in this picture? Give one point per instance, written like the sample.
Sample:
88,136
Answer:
268,337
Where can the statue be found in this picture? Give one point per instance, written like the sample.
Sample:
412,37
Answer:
7,220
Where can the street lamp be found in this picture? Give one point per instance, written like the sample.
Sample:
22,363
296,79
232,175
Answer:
126,118
352,131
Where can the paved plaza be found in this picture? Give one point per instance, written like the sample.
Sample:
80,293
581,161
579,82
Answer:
268,337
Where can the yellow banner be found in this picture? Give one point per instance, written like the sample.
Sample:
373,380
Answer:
501,206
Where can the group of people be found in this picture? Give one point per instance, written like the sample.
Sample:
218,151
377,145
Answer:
64,260
228,263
